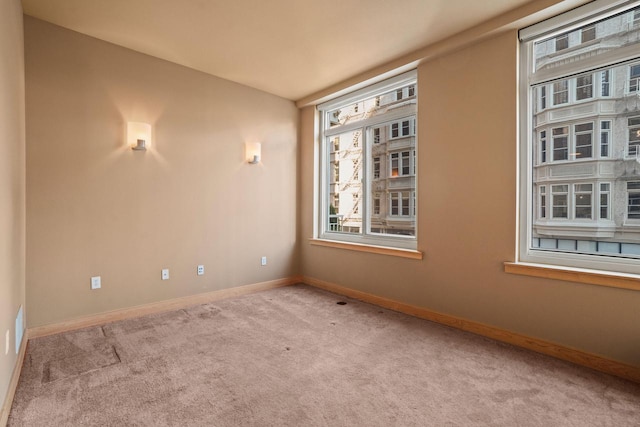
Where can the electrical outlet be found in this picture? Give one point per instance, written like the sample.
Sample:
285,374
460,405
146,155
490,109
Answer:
201,270
263,260
165,274
96,282
6,342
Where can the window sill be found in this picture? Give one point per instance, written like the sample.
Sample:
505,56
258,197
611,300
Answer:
380,250
592,277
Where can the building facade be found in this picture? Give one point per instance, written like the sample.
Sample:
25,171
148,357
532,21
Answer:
586,142
375,165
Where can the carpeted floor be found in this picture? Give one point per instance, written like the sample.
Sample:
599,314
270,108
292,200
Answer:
294,357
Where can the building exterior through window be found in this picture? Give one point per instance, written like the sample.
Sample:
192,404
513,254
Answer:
369,142
583,150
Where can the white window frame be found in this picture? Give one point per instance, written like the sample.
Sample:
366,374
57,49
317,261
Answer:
606,192
576,134
628,192
366,203
633,82
604,131
399,197
558,25
590,85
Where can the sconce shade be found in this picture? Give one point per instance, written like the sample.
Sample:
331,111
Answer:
253,152
138,135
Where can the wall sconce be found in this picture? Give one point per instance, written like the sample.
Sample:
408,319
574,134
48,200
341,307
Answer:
253,151
138,135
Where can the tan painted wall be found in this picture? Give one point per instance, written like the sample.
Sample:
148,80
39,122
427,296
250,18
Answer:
95,207
12,182
467,199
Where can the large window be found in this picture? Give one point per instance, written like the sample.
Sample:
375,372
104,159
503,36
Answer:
580,153
376,130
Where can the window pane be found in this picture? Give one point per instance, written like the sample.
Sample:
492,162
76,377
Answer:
561,92
345,189
588,132
369,174
588,33
562,42
371,106
560,144
634,78
584,87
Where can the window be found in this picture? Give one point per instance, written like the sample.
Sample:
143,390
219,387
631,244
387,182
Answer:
605,134
579,180
634,78
605,191
405,92
561,92
562,42
605,77
543,202
376,206
559,200
582,196
633,190
400,203
633,196
561,143
336,172
588,33
584,87
376,166
401,129
376,135
400,164
584,140
634,135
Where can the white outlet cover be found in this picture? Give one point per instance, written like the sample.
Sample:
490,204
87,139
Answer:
96,282
263,260
200,270
165,274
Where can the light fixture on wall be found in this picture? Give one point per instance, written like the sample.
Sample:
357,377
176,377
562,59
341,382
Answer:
138,135
253,151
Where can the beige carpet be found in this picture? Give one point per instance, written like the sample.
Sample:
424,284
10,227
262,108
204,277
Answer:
294,357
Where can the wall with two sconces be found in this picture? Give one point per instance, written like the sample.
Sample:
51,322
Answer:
186,196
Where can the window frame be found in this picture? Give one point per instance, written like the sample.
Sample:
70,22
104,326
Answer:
545,30
398,115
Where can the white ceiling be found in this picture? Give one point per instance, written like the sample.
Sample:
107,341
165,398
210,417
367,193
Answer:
291,48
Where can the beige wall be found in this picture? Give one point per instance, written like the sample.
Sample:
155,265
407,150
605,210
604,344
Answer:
95,207
12,183
466,225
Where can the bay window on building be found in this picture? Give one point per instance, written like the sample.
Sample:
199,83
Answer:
580,139
370,135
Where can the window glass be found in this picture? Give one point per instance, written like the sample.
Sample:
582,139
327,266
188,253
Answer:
634,78
561,92
374,199
584,87
580,179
